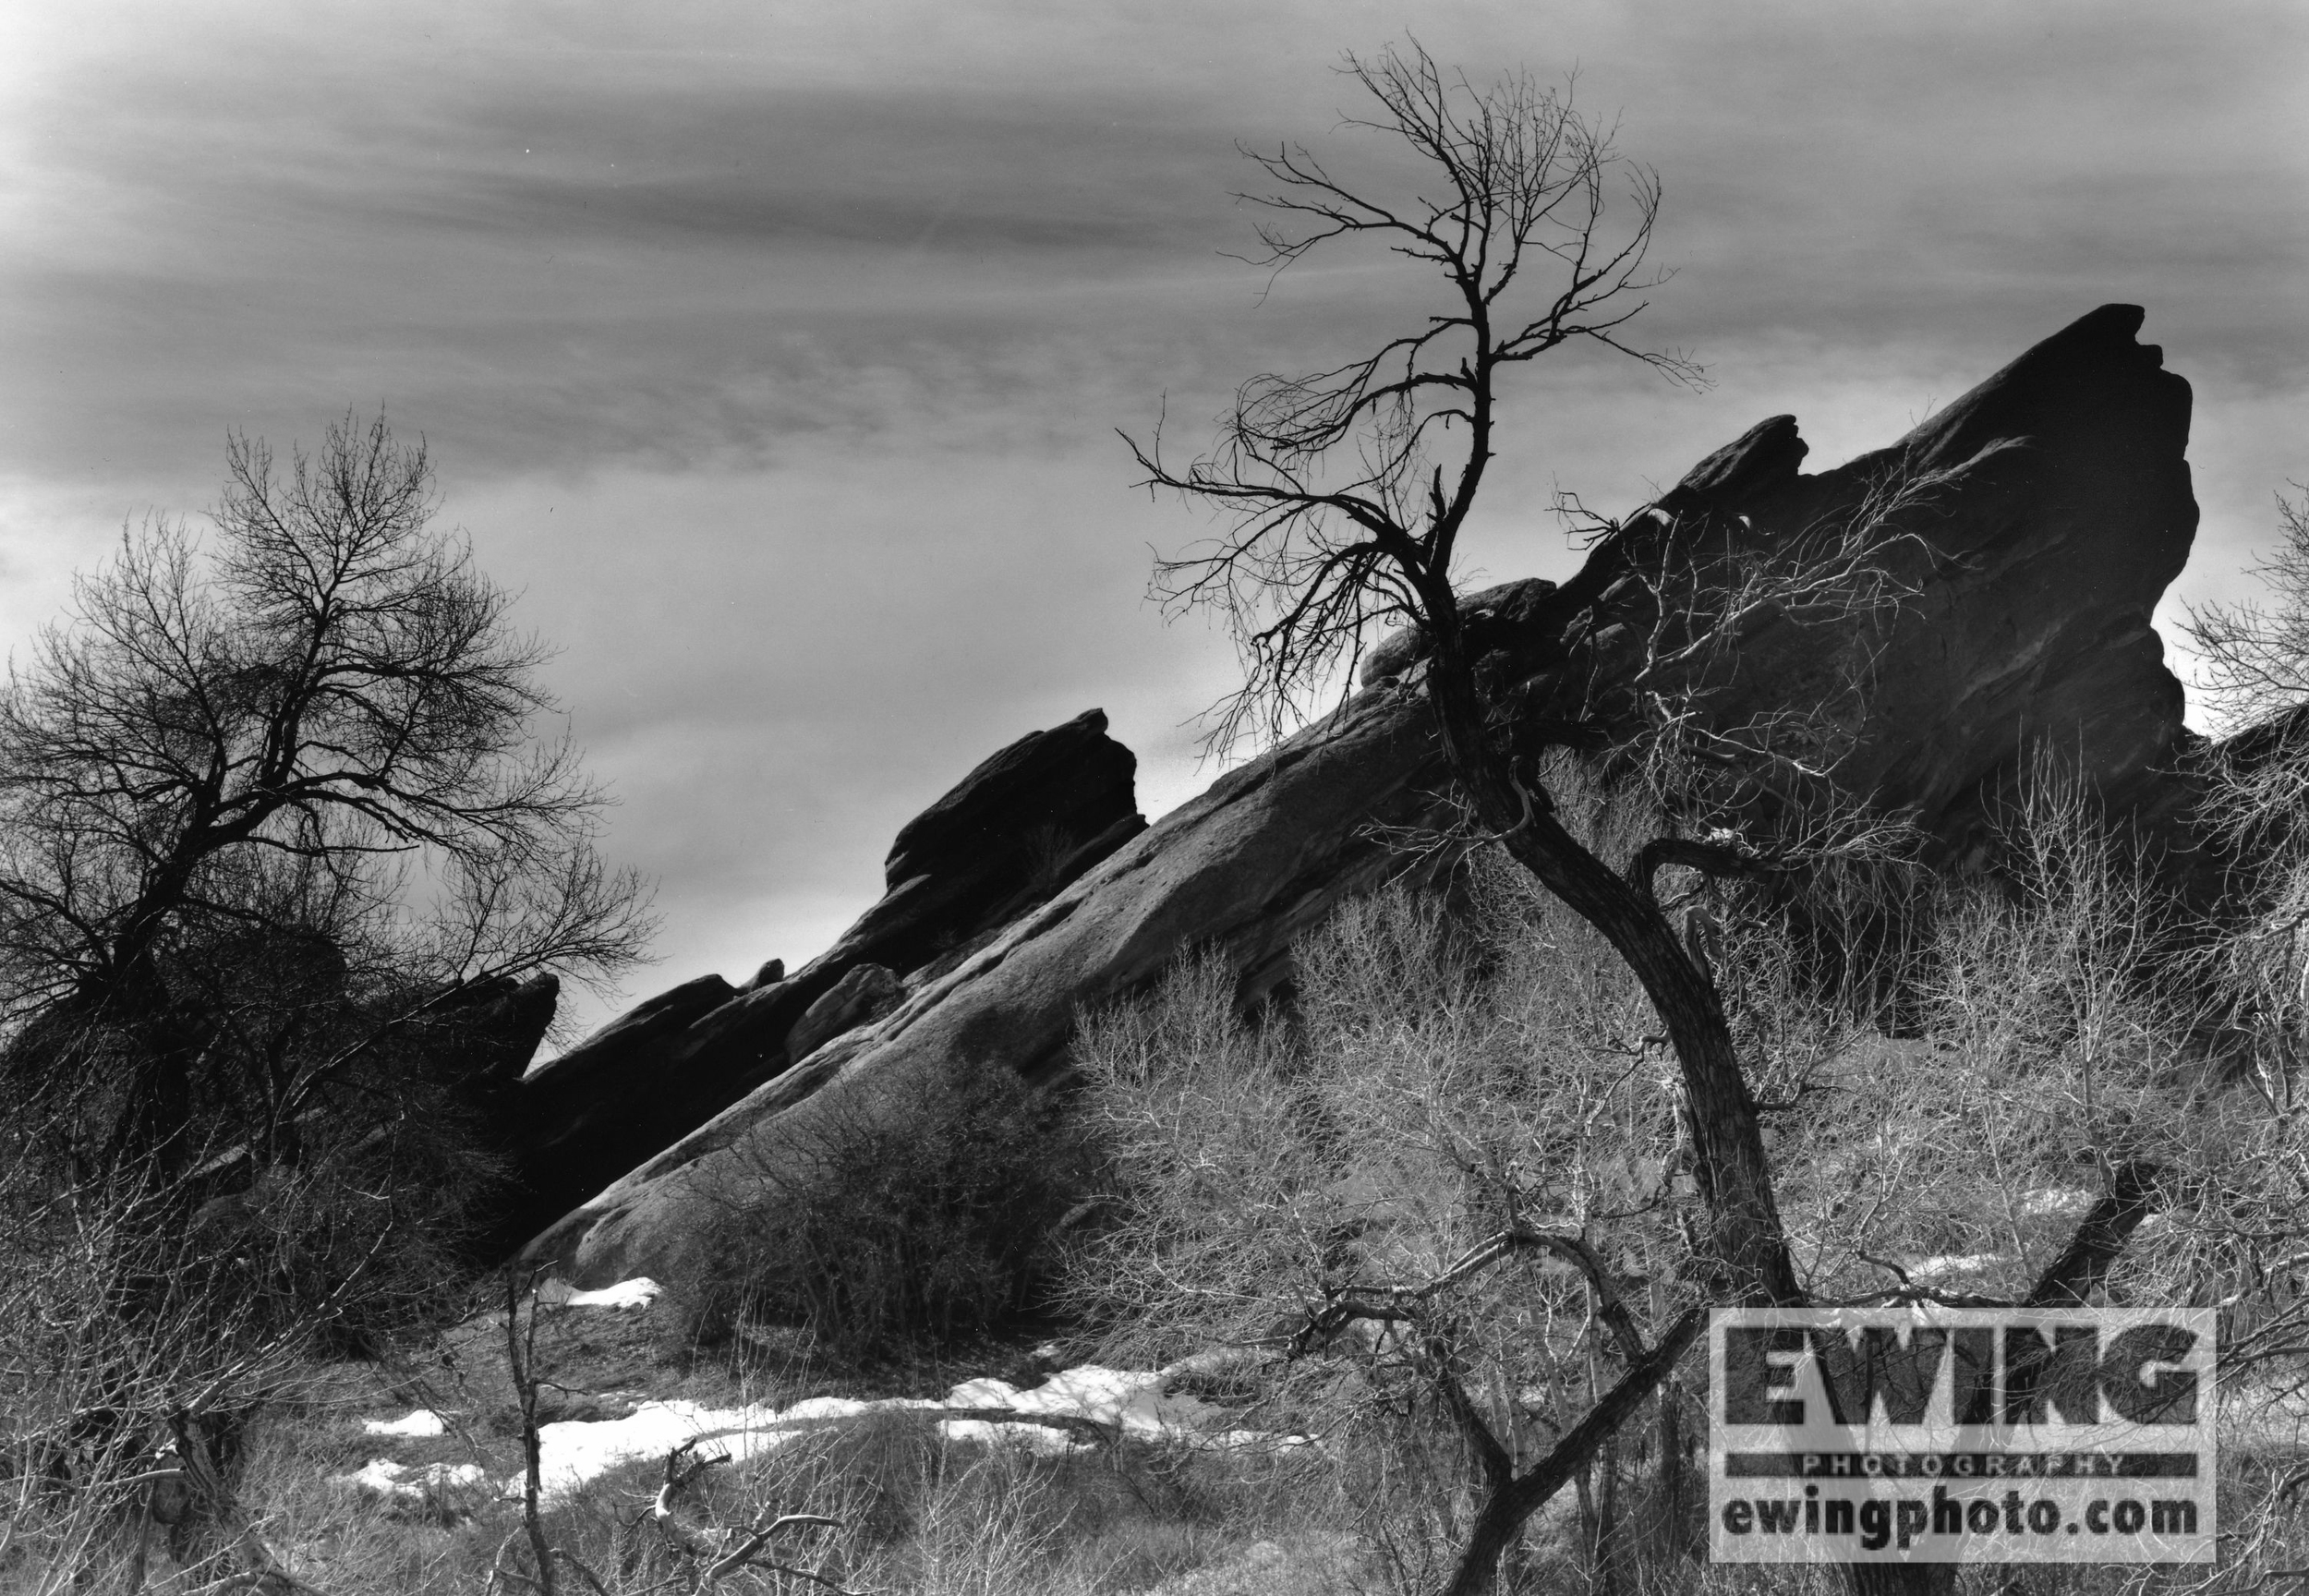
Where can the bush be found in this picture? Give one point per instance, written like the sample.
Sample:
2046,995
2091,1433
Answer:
1457,1066
886,1234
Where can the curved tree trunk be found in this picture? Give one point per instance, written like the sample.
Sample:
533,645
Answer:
1749,1246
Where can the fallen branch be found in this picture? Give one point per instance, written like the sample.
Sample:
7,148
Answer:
721,1551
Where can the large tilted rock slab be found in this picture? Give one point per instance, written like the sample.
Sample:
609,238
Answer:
1016,828
1265,851
2057,509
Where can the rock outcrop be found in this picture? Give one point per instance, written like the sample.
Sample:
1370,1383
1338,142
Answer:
486,1037
869,992
2051,506
1016,830
2055,509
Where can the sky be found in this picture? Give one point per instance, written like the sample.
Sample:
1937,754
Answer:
776,353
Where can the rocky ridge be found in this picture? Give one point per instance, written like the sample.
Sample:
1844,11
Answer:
2040,517
1023,824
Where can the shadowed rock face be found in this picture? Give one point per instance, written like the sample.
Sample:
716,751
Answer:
2061,510
472,1042
2058,508
1020,825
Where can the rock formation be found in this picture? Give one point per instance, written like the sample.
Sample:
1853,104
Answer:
2040,518
1016,830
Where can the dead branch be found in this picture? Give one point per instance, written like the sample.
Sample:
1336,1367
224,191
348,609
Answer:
520,1366
715,1554
1352,1303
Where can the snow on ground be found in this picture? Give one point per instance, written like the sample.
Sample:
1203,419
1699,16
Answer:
1131,1403
419,1425
639,1292
380,1478
2056,1203
573,1452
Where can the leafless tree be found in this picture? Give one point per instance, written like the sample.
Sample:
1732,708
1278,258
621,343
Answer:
2254,673
269,803
1342,514
1350,490
1344,496
2256,656
277,827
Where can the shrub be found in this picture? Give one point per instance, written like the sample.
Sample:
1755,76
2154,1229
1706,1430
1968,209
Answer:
1457,1066
912,1231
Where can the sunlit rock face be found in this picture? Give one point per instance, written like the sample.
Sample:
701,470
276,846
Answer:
2041,516
1027,821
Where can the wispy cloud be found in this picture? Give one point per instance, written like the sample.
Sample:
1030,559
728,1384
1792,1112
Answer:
778,353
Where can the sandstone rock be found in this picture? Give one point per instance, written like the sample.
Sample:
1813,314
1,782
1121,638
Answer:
610,1101
481,1044
1009,834
2057,507
1395,653
1018,828
1268,850
866,993
2061,510
494,1029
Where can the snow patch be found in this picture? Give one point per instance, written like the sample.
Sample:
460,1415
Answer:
421,1423
1951,1265
574,1452
400,1482
638,1292
2056,1203
1132,1402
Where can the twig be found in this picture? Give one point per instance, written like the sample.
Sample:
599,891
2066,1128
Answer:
1887,1264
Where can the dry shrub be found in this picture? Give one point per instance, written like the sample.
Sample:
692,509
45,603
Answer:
1442,1073
884,1235
1448,1068
918,1514
139,1315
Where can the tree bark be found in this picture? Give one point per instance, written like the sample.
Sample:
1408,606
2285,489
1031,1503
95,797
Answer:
2071,1279
1512,1499
1748,1244
2068,1281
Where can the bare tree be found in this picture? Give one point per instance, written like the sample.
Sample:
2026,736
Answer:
268,803
1344,496
278,835
1350,490
2255,658
2255,673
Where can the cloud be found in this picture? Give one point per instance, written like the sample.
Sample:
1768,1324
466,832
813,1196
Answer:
670,241
778,355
